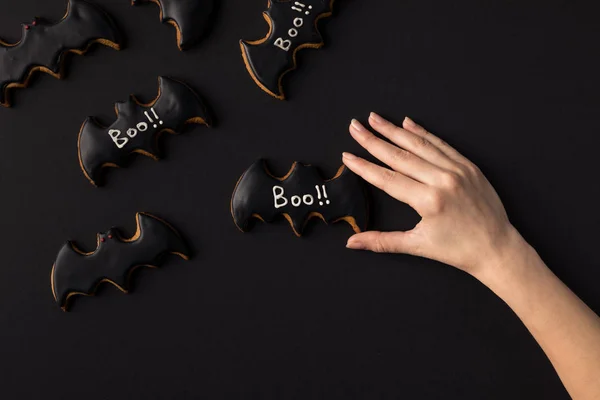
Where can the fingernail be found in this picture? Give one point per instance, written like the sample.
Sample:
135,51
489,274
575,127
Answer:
409,121
376,118
358,131
355,244
357,125
349,156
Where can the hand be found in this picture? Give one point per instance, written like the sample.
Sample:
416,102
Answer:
463,223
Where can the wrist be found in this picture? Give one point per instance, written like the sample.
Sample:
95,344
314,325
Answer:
509,263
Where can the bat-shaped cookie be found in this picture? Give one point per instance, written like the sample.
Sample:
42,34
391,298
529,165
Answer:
138,127
78,273
44,46
299,196
292,26
189,17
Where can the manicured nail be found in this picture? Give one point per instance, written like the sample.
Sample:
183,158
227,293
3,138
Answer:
409,122
349,156
376,118
355,244
358,131
357,125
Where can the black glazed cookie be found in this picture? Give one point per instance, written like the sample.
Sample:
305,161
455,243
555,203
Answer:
299,196
189,17
138,127
44,46
292,26
78,273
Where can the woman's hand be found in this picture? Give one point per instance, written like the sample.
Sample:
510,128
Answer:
463,223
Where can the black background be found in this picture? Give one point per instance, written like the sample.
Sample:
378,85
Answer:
514,85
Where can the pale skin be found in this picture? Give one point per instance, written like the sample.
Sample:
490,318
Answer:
464,224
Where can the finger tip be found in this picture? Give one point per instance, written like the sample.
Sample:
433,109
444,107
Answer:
348,156
355,246
352,126
355,243
349,244
408,122
372,117
375,118
357,125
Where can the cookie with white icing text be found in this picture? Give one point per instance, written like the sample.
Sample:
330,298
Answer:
138,127
292,26
299,195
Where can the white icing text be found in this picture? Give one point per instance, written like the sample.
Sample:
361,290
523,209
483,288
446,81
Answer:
280,200
121,140
285,44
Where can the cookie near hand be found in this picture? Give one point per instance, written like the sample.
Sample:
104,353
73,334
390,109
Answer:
463,220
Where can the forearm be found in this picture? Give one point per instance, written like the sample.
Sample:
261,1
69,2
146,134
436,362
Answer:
464,222
567,330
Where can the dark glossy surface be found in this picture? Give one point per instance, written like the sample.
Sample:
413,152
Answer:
137,127
514,85
293,25
114,257
192,18
303,192
45,44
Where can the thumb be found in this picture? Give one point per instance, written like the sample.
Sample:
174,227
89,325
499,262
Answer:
384,242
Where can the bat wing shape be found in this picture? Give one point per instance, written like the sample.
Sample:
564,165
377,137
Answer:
138,127
299,196
292,26
78,273
43,45
189,17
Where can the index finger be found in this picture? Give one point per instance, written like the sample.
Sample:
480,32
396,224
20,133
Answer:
418,130
397,185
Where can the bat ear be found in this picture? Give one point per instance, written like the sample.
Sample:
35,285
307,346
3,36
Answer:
100,237
134,100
